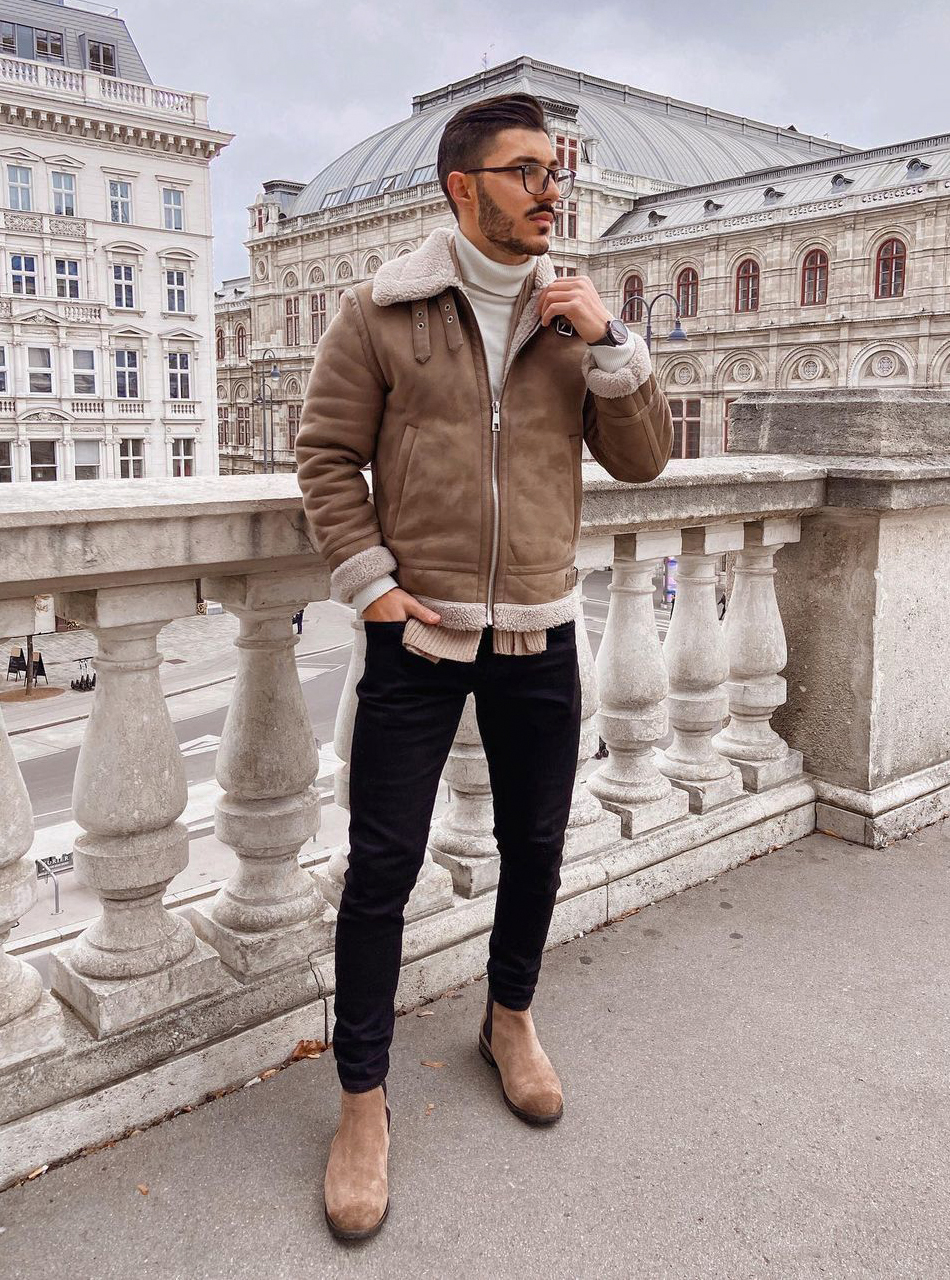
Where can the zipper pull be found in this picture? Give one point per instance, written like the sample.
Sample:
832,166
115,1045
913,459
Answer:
495,416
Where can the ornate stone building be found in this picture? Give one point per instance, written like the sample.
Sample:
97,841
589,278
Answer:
106,366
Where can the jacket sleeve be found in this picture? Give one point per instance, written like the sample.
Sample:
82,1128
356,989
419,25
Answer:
628,426
342,410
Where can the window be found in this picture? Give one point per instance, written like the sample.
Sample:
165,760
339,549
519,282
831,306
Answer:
6,462
219,344
687,292
126,374
425,173
292,322
293,424
84,373
7,37
42,459
40,368
23,269
747,286
261,218
123,284
67,278
131,459
568,208
120,200
388,183
244,426
330,198
179,375
102,58
632,288
241,342
223,426
173,208
183,457
49,45
686,420
815,278
19,187
3,370
64,195
566,151
363,190
318,316
175,290
87,459
889,276
565,271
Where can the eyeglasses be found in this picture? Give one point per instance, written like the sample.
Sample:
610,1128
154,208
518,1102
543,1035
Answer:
535,177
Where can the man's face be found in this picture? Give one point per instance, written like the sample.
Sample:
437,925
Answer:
510,219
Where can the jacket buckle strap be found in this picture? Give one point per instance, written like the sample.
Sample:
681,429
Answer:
450,321
419,313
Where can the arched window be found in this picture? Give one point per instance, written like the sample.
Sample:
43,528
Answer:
815,278
747,286
318,316
292,321
687,292
241,342
219,344
632,288
891,263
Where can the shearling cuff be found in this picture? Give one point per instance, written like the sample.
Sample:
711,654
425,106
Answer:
621,382
358,571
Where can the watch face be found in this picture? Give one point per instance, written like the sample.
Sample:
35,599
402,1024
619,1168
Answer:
618,331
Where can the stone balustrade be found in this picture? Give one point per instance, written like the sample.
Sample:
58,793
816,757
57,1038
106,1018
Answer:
726,740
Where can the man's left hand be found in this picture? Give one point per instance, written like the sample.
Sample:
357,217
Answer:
576,299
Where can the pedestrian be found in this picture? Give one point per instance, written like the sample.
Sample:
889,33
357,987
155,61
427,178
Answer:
469,377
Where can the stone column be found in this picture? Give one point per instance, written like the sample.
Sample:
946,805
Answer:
31,1022
269,914
591,828
137,960
698,664
433,888
755,639
633,688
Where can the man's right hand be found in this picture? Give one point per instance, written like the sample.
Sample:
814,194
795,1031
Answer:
396,606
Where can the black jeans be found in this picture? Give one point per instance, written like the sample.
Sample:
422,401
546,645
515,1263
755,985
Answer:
528,708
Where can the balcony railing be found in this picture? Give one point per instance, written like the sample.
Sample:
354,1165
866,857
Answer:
837,573
89,87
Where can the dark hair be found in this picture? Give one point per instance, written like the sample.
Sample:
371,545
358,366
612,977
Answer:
467,136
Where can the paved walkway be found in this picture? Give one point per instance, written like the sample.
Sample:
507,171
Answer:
757,1080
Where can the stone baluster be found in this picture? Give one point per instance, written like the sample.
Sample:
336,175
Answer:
698,665
755,638
137,959
270,913
433,888
31,1021
633,686
591,827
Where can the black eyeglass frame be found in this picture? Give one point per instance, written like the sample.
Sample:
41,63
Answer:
551,173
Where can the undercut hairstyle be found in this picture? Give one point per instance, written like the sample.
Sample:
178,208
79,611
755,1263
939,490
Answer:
468,136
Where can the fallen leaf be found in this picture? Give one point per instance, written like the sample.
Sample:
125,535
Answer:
143,1188
426,1063
272,1071
425,1013
308,1049
430,1107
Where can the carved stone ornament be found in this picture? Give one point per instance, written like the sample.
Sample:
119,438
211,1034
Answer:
683,375
885,365
743,371
809,369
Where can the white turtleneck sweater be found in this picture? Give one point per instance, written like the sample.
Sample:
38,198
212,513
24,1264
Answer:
492,288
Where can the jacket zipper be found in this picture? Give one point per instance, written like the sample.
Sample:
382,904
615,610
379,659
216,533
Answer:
495,431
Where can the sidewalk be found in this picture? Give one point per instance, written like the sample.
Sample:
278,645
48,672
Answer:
757,1085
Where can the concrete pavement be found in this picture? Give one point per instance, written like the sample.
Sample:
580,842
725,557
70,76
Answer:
757,1083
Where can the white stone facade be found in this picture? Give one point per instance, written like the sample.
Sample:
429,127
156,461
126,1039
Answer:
106,293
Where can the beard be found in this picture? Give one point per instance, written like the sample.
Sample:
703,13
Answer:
498,227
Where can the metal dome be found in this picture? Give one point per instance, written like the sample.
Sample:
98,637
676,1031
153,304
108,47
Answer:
638,133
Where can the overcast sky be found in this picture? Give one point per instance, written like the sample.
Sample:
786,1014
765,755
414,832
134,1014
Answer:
299,82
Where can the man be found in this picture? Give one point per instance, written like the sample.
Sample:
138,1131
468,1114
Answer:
468,376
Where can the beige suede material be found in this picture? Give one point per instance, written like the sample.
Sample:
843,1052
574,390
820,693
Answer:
527,1075
356,1185
400,382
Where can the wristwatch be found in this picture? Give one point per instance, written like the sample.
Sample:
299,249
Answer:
615,336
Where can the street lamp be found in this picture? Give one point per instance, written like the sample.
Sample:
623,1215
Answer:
678,334
262,400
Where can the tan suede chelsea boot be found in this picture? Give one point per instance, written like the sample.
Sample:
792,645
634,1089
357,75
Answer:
356,1186
529,1083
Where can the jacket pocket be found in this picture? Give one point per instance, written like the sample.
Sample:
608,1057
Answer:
401,471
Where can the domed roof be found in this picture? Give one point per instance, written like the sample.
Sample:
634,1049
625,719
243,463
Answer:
638,133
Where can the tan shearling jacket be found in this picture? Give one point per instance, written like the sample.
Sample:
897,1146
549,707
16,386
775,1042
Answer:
476,503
